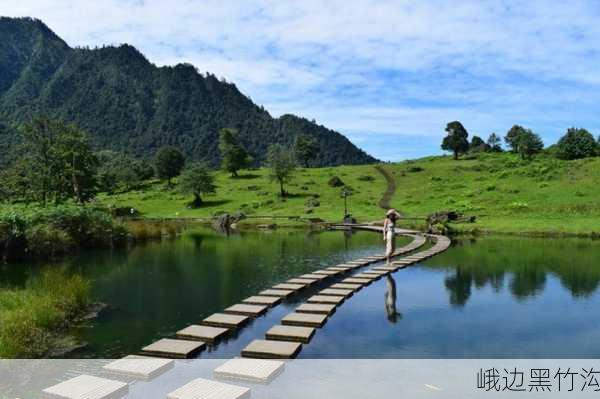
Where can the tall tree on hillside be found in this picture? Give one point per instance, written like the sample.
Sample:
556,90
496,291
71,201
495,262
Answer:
456,140
282,164
56,162
477,144
512,137
575,144
234,156
196,180
168,163
494,143
528,144
306,149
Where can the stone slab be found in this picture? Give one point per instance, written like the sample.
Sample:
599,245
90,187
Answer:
225,320
306,281
340,268
291,333
367,276
326,272
336,292
203,333
314,276
288,286
357,280
304,320
277,293
252,370
88,387
335,300
346,286
386,268
376,272
262,300
316,308
174,348
264,349
139,366
208,389
245,309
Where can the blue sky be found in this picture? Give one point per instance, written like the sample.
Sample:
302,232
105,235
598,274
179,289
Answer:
387,74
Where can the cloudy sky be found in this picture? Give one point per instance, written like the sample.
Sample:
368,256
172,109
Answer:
388,74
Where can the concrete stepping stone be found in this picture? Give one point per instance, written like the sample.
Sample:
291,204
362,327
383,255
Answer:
225,320
357,280
204,333
245,309
367,276
336,292
291,333
317,308
277,293
264,349
346,286
340,268
88,387
262,300
252,370
314,276
142,367
306,281
173,348
386,268
327,272
287,286
377,272
304,320
324,299
208,389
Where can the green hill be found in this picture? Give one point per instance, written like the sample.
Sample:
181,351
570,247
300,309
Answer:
128,104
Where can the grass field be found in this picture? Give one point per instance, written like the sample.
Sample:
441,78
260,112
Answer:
253,194
545,196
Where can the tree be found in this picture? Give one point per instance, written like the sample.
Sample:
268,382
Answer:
477,144
512,137
306,149
56,162
494,144
575,144
234,155
529,143
168,163
197,180
282,164
456,140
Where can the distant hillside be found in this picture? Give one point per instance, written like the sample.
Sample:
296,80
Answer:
128,104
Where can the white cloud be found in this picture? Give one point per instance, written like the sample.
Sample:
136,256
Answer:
369,68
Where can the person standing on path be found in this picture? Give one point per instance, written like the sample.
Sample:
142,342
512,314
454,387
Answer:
389,235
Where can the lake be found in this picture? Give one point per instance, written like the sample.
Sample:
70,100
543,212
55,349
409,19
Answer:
491,297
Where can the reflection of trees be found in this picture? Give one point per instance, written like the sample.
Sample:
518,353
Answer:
459,287
528,281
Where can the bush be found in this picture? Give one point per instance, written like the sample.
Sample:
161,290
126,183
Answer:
366,178
335,182
45,240
414,169
576,144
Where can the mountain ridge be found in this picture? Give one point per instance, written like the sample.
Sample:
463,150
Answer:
129,104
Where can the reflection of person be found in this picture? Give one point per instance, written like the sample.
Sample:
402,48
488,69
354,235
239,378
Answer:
388,232
390,300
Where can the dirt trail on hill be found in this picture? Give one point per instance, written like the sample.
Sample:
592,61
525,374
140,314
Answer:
384,202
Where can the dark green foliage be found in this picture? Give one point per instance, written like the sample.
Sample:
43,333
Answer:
197,180
306,149
477,144
121,172
575,144
493,143
129,105
282,164
456,140
512,137
168,163
335,181
55,163
234,156
528,144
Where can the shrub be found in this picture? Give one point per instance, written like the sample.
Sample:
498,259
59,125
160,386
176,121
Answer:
366,178
414,169
44,240
335,181
576,144
312,203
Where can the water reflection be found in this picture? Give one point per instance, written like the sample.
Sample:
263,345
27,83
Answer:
390,300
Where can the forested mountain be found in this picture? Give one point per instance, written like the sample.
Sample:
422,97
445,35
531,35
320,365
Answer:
128,104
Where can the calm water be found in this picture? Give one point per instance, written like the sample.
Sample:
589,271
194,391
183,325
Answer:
490,298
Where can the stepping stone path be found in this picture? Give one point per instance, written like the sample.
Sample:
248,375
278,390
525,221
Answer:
225,320
336,292
276,292
245,309
207,389
88,387
304,320
291,333
139,366
318,308
262,300
174,348
336,300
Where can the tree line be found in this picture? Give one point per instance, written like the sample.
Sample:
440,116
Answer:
56,162
575,144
